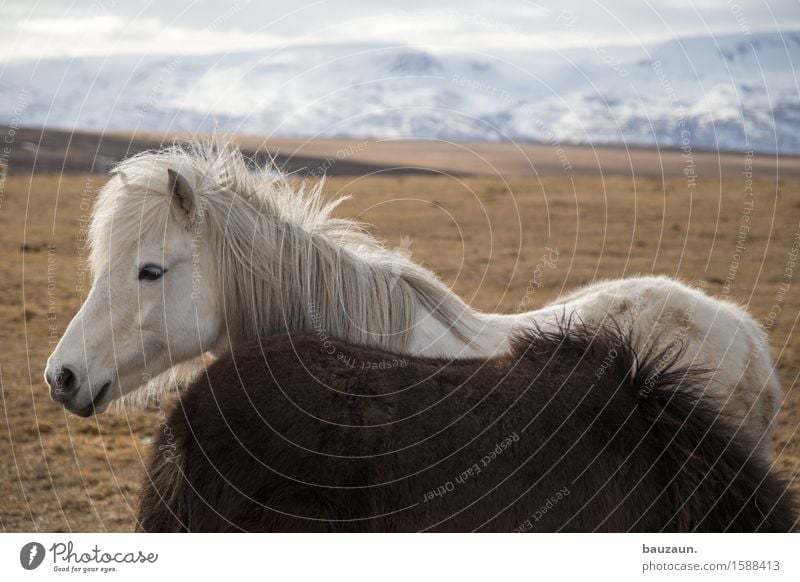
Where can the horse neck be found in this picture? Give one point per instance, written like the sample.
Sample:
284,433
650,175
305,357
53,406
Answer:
362,294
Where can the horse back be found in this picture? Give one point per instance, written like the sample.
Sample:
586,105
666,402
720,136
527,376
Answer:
572,432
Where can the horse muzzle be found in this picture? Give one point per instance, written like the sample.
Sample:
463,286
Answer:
74,394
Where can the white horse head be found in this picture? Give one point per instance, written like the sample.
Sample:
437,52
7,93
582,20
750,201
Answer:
154,300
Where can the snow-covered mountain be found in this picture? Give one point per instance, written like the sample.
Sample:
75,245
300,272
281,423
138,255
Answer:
737,92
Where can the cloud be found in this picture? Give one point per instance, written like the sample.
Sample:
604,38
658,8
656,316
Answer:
112,27
71,27
112,35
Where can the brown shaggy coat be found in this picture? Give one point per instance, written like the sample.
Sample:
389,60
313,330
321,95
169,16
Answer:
291,433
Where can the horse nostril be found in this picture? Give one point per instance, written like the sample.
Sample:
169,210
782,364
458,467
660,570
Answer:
65,384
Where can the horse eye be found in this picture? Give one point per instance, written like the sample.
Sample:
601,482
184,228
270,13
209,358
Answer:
151,273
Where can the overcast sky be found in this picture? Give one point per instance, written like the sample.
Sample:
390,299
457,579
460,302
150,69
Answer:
31,28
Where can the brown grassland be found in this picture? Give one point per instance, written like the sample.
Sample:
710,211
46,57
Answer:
483,235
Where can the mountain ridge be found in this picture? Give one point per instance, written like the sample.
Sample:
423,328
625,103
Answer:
733,92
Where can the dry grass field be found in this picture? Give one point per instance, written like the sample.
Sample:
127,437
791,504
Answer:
483,235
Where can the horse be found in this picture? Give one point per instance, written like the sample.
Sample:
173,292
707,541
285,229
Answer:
193,253
293,433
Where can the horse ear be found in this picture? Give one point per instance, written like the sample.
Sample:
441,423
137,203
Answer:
181,192
122,177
